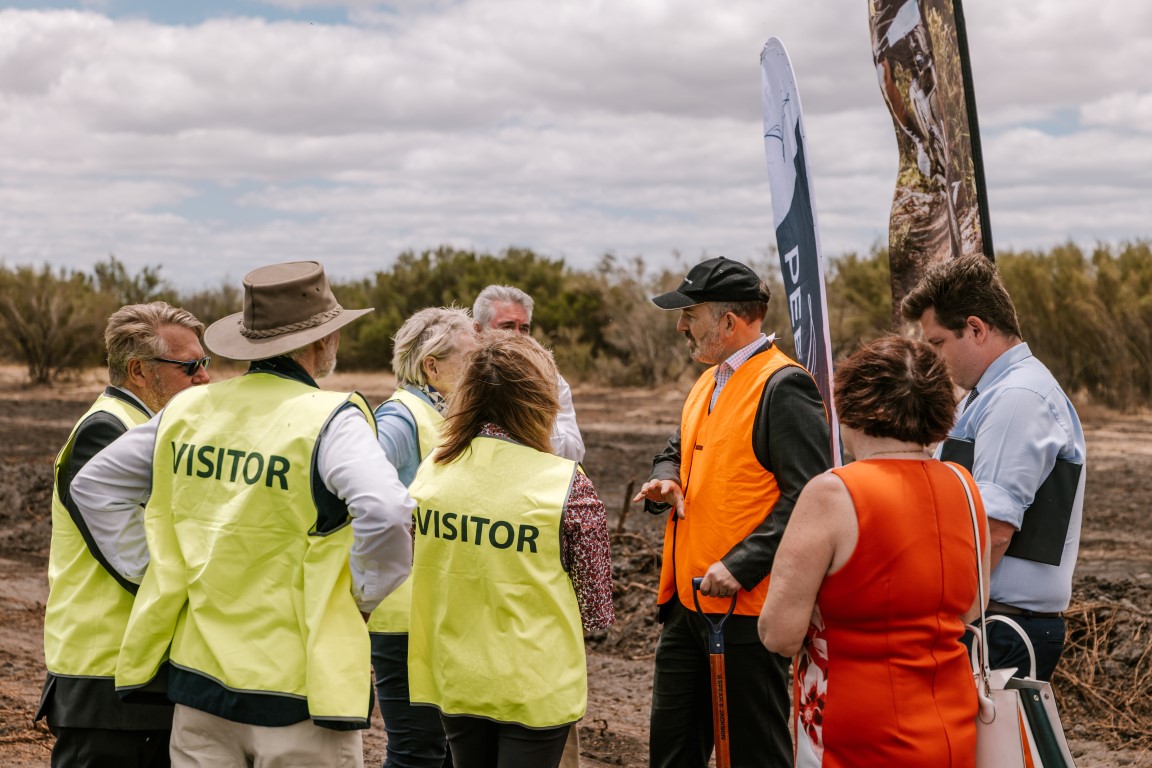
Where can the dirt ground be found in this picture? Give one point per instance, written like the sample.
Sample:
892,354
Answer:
1104,687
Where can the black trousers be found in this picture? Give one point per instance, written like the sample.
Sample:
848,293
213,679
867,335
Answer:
415,734
107,748
1007,649
480,743
681,726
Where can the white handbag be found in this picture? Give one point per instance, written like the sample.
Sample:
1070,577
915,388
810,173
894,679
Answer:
1017,724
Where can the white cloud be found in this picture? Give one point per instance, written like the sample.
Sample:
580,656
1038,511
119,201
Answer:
573,127
1127,111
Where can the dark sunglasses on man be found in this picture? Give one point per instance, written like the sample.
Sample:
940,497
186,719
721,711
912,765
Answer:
190,366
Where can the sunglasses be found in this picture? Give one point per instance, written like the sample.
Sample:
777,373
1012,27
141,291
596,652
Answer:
190,366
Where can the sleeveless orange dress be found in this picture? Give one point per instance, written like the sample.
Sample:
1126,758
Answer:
883,679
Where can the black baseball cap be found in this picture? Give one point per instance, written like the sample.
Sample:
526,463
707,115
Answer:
718,279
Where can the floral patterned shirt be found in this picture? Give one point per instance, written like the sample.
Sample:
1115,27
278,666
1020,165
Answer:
584,549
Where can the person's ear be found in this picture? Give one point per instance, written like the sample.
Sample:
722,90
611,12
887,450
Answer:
135,373
326,343
431,367
979,329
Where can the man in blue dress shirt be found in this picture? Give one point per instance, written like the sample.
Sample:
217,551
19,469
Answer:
1020,436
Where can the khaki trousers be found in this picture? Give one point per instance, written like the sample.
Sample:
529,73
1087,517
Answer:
201,740
571,757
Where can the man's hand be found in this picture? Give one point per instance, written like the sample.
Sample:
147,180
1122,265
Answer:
666,491
719,582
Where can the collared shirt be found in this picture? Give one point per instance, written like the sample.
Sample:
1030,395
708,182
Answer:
111,488
1021,423
725,370
584,547
135,399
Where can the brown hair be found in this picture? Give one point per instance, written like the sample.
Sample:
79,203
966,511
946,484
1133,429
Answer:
896,387
967,286
133,331
509,381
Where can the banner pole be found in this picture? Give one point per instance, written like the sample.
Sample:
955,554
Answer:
973,130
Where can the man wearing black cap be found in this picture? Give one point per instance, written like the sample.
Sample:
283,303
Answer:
753,431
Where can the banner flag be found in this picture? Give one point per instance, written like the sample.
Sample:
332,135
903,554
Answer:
940,206
797,239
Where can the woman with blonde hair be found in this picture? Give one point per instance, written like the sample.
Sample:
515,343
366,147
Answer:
512,566
427,359
876,575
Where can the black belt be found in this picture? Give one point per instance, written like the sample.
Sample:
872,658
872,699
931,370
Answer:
1004,609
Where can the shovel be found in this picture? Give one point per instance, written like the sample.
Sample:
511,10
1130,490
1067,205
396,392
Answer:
719,681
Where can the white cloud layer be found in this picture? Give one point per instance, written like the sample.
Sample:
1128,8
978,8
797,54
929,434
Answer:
575,127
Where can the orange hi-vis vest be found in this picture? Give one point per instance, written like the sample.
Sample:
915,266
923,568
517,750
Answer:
727,492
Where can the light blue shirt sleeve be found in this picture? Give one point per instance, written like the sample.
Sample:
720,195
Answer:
396,431
1019,441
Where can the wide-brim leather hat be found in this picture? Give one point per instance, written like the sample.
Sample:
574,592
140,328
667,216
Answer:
717,279
286,307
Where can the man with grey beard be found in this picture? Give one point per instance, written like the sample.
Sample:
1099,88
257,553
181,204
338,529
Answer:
753,431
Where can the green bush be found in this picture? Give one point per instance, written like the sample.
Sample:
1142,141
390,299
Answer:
53,322
1088,317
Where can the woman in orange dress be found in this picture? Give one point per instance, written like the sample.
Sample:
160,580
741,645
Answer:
876,577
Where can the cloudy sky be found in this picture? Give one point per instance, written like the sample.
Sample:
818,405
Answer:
211,137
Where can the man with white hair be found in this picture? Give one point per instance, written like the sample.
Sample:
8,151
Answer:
507,308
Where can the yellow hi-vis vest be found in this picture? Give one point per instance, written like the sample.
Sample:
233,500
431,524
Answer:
391,616
496,629
249,579
87,607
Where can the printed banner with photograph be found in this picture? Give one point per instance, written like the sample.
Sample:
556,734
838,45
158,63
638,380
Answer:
940,207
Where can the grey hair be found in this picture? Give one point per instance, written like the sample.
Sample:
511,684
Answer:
297,355
748,311
133,332
482,308
431,332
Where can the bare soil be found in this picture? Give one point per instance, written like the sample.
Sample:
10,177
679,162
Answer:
1104,686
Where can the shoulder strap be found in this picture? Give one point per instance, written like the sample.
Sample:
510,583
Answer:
987,711
1015,627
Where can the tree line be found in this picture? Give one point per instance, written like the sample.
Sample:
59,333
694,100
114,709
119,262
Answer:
1088,316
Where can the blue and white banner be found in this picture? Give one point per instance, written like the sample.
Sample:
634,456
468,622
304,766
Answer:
796,233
